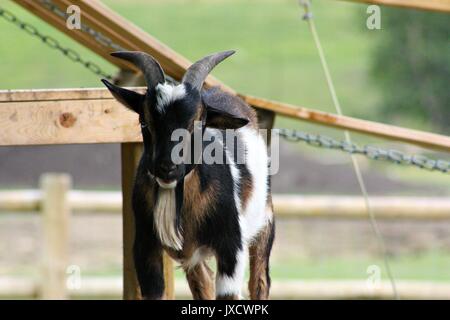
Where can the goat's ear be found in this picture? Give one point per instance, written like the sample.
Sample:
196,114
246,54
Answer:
220,116
222,119
130,99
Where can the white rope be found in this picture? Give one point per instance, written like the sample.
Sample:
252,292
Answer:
308,17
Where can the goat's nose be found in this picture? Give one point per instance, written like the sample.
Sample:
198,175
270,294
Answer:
168,166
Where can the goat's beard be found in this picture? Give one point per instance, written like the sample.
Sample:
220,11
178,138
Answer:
165,219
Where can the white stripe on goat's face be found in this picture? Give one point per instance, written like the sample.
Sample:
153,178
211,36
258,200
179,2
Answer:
167,93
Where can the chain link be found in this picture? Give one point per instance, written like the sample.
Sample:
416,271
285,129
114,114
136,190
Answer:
70,53
98,36
371,152
54,44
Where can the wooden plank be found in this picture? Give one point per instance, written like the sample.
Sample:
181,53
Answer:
351,207
432,5
86,40
56,215
120,31
130,153
36,117
67,121
111,287
286,206
421,138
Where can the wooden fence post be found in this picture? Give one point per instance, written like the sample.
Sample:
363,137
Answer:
130,158
55,214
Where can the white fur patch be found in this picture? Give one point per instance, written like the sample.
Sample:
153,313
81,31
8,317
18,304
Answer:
165,185
167,93
164,217
255,215
199,255
226,285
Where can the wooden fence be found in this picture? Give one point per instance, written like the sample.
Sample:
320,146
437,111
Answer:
56,202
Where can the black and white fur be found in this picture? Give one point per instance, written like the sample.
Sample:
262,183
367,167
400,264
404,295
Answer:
194,211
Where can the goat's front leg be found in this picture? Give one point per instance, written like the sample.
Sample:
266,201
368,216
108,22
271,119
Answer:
230,273
148,260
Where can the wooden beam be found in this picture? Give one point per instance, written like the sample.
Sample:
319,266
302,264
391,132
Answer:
421,138
432,5
33,117
56,215
64,117
120,31
285,206
131,154
110,287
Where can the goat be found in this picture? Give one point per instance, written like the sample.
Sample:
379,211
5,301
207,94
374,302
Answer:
197,210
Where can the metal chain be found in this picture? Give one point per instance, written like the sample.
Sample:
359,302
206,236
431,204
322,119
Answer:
70,53
53,43
374,153
98,36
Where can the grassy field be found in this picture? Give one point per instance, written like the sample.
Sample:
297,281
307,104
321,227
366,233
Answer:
276,57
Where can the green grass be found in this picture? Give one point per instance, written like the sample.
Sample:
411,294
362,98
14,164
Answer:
276,56
430,266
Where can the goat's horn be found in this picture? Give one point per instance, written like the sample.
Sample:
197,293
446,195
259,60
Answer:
153,73
196,74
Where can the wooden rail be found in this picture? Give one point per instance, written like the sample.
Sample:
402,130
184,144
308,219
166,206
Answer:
33,117
285,206
432,5
111,287
129,36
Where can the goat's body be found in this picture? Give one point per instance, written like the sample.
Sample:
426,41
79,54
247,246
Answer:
226,213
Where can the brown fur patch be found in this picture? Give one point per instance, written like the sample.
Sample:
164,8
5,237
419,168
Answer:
259,252
200,280
196,203
246,190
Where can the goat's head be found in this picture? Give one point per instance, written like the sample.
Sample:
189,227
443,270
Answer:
166,107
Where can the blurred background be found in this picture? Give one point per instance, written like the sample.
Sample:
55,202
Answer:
397,75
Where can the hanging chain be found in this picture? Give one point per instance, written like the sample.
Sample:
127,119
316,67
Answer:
98,36
371,152
53,43
70,53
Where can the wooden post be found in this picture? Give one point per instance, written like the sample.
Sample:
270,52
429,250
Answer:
130,153
55,213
